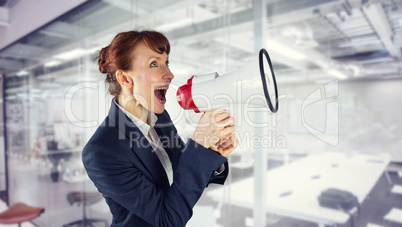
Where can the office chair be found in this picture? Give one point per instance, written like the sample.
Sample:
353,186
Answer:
84,199
20,212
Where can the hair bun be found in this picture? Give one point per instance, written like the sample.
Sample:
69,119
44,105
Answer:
102,60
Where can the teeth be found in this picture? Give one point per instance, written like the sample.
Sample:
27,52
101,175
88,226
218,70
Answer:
161,88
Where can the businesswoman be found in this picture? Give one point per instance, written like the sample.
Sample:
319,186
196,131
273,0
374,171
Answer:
146,173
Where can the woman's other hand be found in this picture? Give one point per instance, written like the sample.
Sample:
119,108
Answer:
226,145
212,127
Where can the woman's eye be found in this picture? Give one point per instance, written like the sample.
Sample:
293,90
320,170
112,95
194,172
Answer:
167,63
153,64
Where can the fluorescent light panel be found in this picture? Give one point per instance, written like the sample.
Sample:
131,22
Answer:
278,47
22,73
360,43
336,73
52,63
73,54
173,25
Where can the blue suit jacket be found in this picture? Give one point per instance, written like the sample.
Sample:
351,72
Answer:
125,169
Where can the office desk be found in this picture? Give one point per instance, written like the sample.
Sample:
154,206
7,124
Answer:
293,189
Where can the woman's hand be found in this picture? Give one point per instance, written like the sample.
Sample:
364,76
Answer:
226,145
212,127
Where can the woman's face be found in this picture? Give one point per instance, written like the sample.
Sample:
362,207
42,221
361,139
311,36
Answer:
151,76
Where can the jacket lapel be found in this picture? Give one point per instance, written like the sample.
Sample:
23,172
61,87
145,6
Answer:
139,145
171,141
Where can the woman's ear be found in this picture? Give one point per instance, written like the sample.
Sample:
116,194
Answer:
124,79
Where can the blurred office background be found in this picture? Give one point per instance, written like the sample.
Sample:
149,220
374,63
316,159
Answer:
339,75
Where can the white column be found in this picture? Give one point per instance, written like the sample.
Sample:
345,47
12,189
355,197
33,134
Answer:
260,157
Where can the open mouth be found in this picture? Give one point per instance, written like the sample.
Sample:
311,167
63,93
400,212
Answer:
160,94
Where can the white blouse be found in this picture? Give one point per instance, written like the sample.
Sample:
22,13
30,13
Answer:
149,132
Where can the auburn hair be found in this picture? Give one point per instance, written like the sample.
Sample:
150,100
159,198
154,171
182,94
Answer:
118,55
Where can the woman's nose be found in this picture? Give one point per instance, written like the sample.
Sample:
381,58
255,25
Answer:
168,74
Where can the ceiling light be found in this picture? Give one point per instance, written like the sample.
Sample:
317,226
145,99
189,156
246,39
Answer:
22,73
273,45
360,43
336,73
52,63
173,25
75,53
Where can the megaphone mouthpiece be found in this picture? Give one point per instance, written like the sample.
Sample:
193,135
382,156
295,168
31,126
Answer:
185,98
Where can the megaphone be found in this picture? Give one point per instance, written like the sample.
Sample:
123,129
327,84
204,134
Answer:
254,84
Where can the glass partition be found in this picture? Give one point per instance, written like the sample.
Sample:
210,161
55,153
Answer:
337,126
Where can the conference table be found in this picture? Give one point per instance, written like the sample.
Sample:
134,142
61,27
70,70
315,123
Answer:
292,190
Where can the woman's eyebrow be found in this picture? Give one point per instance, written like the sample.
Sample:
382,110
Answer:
158,58
154,57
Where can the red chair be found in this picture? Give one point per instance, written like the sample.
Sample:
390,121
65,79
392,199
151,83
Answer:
20,212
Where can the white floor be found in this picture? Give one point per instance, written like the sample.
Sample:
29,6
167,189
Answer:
3,207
